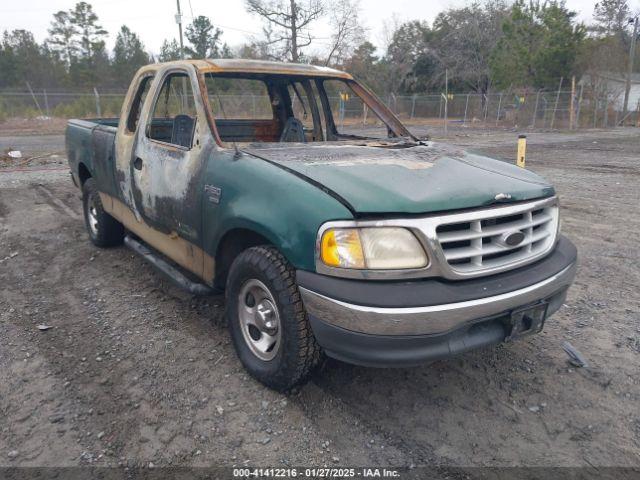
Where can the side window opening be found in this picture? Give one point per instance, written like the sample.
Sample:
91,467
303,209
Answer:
174,114
239,98
326,132
138,101
304,109
299,104
245,109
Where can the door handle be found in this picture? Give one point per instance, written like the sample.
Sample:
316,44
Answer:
137,163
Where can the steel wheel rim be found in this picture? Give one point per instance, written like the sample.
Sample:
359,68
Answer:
92,213
259,319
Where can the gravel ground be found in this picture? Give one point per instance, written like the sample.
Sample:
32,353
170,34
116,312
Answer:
134,372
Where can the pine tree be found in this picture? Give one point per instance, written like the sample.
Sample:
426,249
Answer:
22,59
63,37
203,37
90,32
611,17
540,44
128,56
169,51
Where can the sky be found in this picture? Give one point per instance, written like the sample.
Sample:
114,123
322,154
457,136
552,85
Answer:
154,20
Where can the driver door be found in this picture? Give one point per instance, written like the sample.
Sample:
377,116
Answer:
166,166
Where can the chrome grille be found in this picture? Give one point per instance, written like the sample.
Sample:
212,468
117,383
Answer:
476,244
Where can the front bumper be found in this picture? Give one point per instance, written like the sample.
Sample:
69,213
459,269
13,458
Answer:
405,323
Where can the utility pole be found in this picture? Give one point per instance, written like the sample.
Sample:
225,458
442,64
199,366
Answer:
183,98
632,53
179,22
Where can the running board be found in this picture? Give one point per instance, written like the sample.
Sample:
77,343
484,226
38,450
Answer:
172,273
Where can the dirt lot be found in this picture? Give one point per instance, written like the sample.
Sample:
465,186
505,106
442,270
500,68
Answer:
136,372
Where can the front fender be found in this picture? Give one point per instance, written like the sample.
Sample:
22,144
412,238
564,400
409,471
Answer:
261,197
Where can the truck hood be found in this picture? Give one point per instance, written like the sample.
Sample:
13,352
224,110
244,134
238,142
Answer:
427,177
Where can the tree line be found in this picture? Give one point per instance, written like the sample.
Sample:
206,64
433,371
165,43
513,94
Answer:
486,45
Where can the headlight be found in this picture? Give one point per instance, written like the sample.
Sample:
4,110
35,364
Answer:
375,248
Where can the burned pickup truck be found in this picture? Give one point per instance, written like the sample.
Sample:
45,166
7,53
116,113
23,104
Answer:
328,225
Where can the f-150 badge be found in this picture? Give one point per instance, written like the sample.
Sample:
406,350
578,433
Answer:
213,193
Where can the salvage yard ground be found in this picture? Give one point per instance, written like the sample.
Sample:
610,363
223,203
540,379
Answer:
136,372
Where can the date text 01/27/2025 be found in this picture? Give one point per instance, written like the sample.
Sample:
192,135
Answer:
315,473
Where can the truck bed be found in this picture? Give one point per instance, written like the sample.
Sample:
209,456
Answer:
90,148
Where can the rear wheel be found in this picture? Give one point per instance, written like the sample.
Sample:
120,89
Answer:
103,229
267,321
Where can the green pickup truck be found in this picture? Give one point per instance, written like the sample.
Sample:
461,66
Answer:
328,225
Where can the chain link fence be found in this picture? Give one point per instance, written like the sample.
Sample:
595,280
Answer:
60,104
542,109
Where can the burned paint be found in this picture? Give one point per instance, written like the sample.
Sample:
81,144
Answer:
164,186
184,253
416,179
228,65
410,155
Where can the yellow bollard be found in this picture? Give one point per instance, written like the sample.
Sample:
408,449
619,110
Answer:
522,150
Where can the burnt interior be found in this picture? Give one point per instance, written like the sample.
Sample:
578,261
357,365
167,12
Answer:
291,108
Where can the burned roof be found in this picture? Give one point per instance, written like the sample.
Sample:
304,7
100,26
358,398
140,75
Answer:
264,66
233,65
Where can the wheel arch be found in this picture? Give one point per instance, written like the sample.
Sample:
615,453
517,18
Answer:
83,173
232,243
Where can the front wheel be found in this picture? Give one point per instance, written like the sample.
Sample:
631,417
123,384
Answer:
267,320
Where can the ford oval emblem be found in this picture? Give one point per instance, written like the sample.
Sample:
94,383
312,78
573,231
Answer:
502,196
512,239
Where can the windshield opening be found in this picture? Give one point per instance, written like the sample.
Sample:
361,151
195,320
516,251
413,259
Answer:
278,108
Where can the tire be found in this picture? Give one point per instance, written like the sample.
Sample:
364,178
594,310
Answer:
103,229
261,278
